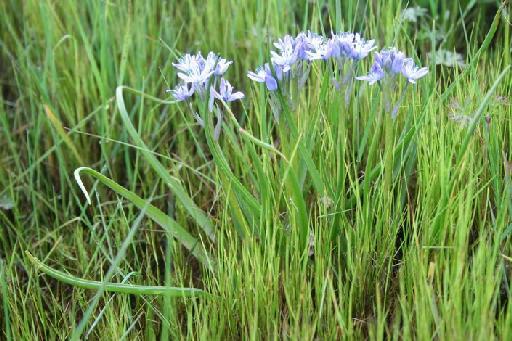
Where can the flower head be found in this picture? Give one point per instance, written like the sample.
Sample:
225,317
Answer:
225,93
264,74
412,72
375,75
360,48
306,42
285,43
327,49
197,70
182,92
222,66
393,62
344,42
188,62
285,60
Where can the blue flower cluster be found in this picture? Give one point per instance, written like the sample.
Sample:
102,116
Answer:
204,77
290,66
295,54
393,62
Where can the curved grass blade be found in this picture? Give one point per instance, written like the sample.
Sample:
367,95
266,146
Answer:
181,194
124,288
169,224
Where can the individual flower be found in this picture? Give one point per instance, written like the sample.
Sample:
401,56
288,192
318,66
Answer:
188,62
327,49
306,42
182,92
375,75
344,42
285,60
225,93
360,48
265,75
412,72
285,43
222,66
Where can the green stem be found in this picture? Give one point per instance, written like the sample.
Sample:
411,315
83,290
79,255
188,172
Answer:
388,163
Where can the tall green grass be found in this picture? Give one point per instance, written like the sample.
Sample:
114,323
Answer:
335,223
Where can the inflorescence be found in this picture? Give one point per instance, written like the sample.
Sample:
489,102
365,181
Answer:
203,78
289,69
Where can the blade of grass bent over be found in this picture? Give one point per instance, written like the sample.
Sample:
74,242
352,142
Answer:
169,224
124,288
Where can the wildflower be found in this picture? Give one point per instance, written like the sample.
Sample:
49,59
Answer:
324,51
393,62
264,74
188,62
182,92
375,75
285,43
196,73
412,72
343,42
360,48
225,93
306,42
285,60
197,70
222,66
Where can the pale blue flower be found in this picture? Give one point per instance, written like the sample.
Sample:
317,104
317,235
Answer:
287,55
285,60
189,62
393,62
412,72
307,42
344,42
222,66
225,93
342,46
390,60
285,43
264,74
197,70
375,75
360,48
182,92
327,49
196,74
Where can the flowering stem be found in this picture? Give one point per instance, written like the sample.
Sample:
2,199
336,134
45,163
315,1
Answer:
372,151
397,105
388,163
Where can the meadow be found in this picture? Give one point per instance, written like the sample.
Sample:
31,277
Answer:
343,197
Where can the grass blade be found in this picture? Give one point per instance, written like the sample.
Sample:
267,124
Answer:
131,289
169,224
199,216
